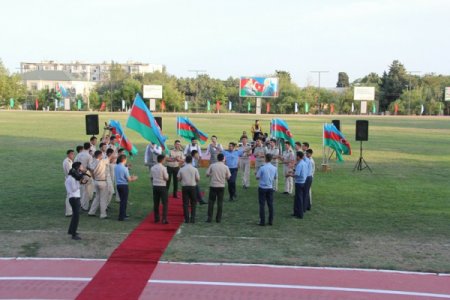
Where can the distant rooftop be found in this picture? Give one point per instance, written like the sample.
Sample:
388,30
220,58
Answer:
48,75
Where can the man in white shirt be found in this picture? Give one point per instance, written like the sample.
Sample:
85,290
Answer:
309,153
72,184
193,146
85,159
99,167
151,153
67,165
93,147
244,161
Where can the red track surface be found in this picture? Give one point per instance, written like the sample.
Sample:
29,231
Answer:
66,278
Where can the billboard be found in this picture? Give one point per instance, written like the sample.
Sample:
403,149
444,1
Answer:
447,94
152,91
364,93
264,87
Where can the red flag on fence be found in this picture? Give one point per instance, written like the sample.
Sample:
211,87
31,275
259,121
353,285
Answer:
103,106
163,105
218,105
268,107
36,102
395,108
331,108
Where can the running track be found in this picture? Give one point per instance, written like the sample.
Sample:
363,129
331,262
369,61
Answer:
65,279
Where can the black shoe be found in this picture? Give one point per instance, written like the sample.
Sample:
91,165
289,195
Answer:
208,221
92,215
217,221
285,193
270,223
156,220
202,202
76,237
186,221
245,187
165,222
84,209
192,221
174,196
231,199
261,224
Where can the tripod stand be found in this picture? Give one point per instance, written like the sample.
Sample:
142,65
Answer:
361,164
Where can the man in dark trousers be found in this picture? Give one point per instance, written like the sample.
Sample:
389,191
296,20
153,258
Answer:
159,179
300,174
266,176
219,174
189,177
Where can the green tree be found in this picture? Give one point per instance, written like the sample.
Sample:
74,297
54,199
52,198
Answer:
343,80
392,84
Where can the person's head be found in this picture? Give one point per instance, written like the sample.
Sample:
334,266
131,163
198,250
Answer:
214,139
256,122
76,165
194,154
305,146
109,152
258,142
194,141
220,157
79,148
188,159
231,146
87,146
77,171
177,144
70,154
103,147
244,139
120,151
160,158
268,157
300,155
112,139
273,143
122,159
98,154
309,153
93,140
298,146
287,145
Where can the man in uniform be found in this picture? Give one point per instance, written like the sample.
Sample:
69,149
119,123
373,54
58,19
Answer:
300,179
189,177
219,174
160,177
99,167
85,159
288,160
259,152
175,160
195,163
274,151
266,176
67,166
309,179
93,146
244,161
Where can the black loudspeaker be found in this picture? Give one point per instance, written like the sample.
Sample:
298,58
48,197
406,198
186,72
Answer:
337,124
362,130
159,121
92,124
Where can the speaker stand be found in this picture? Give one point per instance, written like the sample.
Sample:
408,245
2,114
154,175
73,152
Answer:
361,164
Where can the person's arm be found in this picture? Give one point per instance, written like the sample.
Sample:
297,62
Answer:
228,173
130,178
258,174
197,176
207,150
208,172
165,175
179,175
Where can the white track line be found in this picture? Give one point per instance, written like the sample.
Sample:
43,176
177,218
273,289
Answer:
302,287
244,284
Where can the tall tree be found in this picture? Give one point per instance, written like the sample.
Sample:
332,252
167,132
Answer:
343,80
392,84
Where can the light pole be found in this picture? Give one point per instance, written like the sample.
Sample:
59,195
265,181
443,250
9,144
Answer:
319,73
409,89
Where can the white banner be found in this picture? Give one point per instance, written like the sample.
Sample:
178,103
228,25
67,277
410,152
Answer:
296,107
364,93
185,105
230,105
447,94
152,91
66,104
152,104
363,107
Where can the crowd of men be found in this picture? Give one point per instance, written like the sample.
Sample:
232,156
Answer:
105,173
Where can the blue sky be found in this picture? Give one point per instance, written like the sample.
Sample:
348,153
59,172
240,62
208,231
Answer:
233,37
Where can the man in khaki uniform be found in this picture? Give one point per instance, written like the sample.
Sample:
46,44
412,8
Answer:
86,192
110,178
175,160
189,177
219,174
159,178
260,153
244,161
67,165
99,167
288,159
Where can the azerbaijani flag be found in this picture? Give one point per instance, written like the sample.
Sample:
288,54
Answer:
334,139
121,139
61,91
279,129
142,121
187,130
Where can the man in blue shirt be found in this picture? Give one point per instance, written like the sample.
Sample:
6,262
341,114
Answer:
308,182
122,178
231,160
300,174
266,176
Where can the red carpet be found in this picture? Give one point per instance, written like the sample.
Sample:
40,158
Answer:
126,272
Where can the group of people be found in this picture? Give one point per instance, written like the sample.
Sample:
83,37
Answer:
181,165
97,174
92,177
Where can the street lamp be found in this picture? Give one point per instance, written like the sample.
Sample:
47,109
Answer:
319,73
409,88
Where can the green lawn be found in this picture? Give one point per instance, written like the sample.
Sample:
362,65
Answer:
397,217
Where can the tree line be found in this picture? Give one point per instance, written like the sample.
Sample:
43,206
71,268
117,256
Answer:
396,89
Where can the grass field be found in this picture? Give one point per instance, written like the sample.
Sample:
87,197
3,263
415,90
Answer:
397,217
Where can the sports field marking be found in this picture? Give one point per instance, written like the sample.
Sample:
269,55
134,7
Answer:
301,287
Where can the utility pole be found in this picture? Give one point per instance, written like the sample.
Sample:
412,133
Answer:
409,89
319,73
